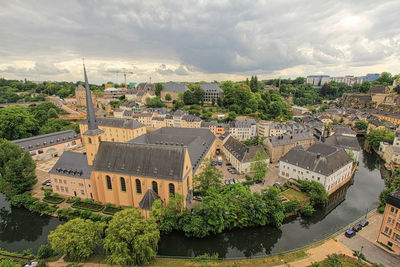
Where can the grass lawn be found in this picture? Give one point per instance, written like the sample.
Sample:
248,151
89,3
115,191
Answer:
345,260
292,194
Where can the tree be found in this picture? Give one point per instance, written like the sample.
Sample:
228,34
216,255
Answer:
45,251
17,169
52,113
77,238
154,102
56,125
385,79
208,177
307,210
361,125
9,263
259,166
16,123
168,97
158,89
168,216
131,239
376,136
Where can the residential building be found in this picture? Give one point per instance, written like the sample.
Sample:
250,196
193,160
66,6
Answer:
49,145
211,92
173,89
240,155
243,129
389,233
267,128
147,88
144,118
278,146
114,93
390,153
158,122
190,121
325,164
348,143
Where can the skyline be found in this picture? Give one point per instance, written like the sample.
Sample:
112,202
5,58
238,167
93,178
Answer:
196,41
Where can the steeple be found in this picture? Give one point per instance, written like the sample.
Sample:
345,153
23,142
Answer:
91,117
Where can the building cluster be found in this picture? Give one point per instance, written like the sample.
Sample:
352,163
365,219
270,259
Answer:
389,232
320,80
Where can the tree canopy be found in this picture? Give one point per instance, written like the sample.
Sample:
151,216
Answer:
208,177
376,136
77,238
259,167
131,239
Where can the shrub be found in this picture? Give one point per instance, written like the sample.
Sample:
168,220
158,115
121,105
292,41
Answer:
108,205
77,199
86,200
307,210
47,192
45,251
28,253
381,209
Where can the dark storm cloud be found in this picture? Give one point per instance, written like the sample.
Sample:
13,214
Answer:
206,36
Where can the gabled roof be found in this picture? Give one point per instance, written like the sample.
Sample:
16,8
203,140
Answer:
117,122
319,158
45,140
72,164
343,141
211,88
145,160
240,151
147,201
243,123
175,87
394,198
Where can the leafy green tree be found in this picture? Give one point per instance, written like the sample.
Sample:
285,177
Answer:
168,216
56,125
45,251
385,79
131,239
208,177
9,263
375,136
77,238
16,123
158,88
17,169
365,86
307,210
334,260
361,125
63,93
154,102
290,206
259,166
52,113
168,97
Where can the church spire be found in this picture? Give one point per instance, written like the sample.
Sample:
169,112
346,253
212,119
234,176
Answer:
91,117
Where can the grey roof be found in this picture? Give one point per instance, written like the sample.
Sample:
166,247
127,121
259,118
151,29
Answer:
72,164
208,123
147,201
290,138
146,86
240,151
197,140
46,140
158,119
91,117
340,130
243,123
127,113
394,198
117,122
145,160
175,87
211,88
191,118
319,158
346,142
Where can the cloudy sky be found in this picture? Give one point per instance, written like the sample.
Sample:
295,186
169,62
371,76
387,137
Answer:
197,40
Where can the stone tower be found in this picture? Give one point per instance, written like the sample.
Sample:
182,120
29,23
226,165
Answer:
93,135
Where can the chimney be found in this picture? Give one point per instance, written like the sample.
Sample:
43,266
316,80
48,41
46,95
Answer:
318,155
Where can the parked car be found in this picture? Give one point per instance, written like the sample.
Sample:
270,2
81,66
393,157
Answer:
214,163
357,228
350,233
226,181
233,171
198,198
259,181
364,223
228,164
46,182
278,184
236,180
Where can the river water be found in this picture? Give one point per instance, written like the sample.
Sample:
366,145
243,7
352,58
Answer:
20,229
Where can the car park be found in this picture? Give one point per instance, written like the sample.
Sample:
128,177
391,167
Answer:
357,228
364,223
350,233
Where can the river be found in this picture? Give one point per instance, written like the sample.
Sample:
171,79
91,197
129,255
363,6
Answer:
20,229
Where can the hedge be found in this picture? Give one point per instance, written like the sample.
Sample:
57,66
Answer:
111,210
53,199
88,206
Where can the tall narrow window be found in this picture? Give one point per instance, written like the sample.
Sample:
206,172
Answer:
108,179
155,186
171,189
89,140
138,187
123,185
99,139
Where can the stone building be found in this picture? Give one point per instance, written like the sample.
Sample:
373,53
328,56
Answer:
240,155
211,92
327,165
243,129
173,89
389,233
278,146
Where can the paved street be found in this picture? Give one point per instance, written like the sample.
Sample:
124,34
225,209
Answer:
367,238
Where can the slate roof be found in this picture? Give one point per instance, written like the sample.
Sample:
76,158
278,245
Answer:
175,87
191,118
197,140
147,201
117,122
243,123
145,160
127,113
290,138
346,142
211,88
72,164
240,151
340,130
41,141
394,198
208,123
319,158
146,86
